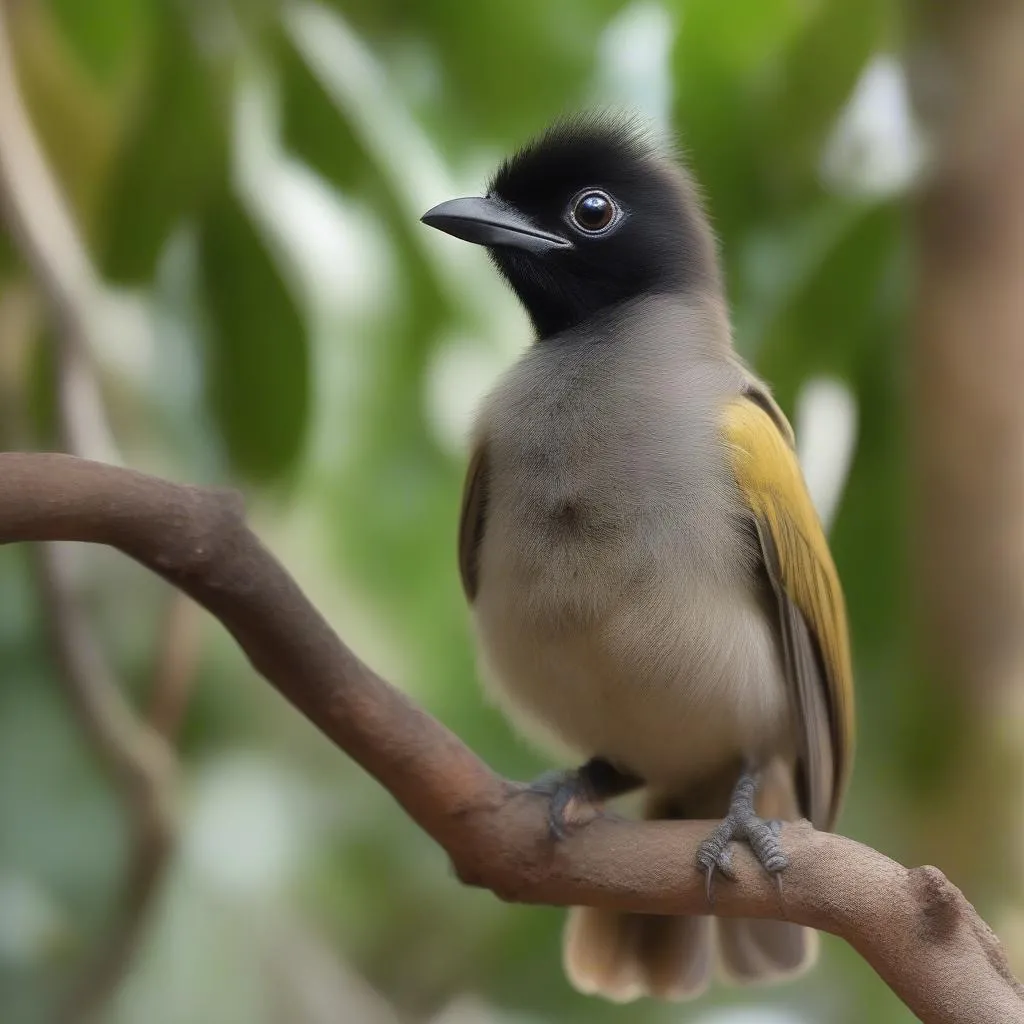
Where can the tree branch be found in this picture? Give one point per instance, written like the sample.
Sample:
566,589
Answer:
915,928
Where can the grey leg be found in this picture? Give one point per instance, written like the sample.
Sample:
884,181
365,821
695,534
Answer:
593,783
741,823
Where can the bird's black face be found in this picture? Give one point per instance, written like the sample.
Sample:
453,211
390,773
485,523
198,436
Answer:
585,218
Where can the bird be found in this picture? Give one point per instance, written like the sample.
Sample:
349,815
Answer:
652,592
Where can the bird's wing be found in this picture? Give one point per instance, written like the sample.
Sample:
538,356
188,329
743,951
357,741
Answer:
812,613
471,521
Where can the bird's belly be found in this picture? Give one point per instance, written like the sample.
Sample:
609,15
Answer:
668,681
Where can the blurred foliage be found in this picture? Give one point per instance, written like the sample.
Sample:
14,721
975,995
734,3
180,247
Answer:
172,151
257,353
249,175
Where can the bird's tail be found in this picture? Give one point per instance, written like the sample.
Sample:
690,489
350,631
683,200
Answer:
623,956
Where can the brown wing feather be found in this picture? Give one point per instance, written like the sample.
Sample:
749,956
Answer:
471,521
812,614
807,676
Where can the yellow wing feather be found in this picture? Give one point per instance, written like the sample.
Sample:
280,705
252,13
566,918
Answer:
769,477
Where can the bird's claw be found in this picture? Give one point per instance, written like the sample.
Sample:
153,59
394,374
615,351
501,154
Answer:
715,855
741,823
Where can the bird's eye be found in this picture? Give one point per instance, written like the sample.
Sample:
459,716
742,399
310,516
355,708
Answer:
593,211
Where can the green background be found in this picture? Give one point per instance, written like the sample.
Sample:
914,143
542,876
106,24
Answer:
248,178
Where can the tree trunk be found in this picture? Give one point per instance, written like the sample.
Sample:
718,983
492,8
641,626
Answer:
966,64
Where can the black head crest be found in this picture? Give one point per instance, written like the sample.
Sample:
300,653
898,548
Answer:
606,147
593,213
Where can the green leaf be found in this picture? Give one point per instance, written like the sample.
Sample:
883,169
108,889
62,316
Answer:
258,363
508,69
735,39
831,307
174,156
313,128
9,258
546,51
104,35
724,57
355,129
819,73
41,390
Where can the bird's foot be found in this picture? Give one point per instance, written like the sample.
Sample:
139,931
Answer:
589,785
741,823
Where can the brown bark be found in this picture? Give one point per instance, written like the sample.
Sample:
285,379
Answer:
913,926
967,72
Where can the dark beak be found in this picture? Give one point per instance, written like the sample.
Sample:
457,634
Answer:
491,222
